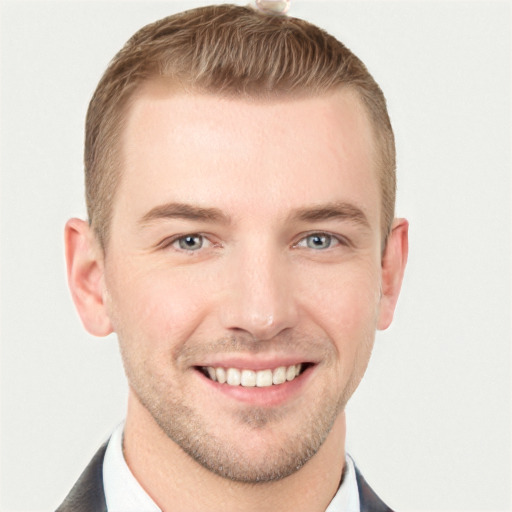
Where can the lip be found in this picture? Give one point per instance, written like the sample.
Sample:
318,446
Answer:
253,363
271,396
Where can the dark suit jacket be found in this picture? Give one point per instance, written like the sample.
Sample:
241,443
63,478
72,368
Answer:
87,494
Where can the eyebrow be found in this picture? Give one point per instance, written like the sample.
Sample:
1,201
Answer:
336,210
186,212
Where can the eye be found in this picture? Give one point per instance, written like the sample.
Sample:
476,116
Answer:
192,242
318,241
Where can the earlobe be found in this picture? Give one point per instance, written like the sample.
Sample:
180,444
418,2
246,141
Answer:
394,260
84,259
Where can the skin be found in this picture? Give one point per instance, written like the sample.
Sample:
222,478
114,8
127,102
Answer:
283,265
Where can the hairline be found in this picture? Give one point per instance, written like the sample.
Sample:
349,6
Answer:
176,86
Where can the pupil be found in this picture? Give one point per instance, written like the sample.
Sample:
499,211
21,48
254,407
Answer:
319,241
191,242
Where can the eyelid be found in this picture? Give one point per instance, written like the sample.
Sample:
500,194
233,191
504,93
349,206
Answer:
338,239
168,242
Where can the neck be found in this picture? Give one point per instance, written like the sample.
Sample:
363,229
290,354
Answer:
171,477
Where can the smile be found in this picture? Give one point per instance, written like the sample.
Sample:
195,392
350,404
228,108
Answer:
251,378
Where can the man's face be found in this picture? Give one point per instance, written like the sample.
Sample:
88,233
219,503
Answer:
245,241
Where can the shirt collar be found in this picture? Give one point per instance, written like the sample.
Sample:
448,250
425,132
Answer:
347,497
123,493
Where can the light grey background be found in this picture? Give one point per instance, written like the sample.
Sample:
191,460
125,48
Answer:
430,426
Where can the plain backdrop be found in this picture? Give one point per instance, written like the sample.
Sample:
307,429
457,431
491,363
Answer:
430,426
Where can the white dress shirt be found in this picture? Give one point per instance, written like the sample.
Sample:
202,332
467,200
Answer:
123,493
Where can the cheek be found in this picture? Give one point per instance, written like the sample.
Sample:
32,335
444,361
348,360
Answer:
155,308
345,304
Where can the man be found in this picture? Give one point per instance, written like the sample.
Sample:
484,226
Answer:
241,242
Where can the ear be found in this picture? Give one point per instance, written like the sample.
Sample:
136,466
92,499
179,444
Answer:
394,260
84,259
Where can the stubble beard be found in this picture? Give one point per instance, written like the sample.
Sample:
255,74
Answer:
189,429
185,427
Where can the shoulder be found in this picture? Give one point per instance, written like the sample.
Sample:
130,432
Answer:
87,494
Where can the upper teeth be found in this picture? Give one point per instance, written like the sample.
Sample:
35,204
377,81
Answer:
250,378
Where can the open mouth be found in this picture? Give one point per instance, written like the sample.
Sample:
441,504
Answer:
252,378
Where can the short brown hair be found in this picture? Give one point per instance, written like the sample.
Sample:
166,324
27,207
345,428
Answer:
227,50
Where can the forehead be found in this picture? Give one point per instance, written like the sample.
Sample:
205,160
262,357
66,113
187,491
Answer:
206,149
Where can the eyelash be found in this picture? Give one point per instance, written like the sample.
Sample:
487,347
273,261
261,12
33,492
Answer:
170,242
334,240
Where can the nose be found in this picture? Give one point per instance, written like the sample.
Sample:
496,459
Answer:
259,297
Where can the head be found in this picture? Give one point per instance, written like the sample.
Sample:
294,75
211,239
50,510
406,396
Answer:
228,51
240,186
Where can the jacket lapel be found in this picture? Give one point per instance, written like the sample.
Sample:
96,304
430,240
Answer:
87,494
369,501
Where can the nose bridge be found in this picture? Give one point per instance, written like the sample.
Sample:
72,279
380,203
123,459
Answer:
260,294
